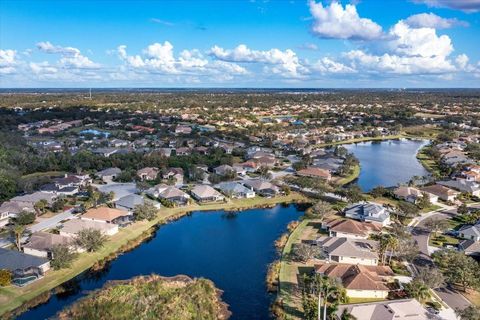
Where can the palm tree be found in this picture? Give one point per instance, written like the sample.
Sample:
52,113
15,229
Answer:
418,289
17,231
347,315
40,206
393,245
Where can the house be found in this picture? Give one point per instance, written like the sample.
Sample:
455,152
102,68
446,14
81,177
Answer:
170,193
268,162
368,212
182,129
106,152
224,170
442,192
359,281
248,166
235,190
352,229
129,202
411,194
109,174
73,226
406,309
462,185
175,174
10,209
470,247
262,187
204,193
470,232
148,173
41,244
313,172
29,200
23,265
107,215
347,250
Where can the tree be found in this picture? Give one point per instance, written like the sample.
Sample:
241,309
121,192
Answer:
18,231
62,256
353,193
40,206
321,210
286,189
304,252
431,276
90,239
347,315
407,209
436,225
469,313
264,173
5,277
417,289
58,205
462,209
379,191
146,211
424,201
458,268
25,218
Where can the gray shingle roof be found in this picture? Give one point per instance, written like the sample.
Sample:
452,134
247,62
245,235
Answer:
13,260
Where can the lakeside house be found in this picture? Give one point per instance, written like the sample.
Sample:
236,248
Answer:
262,187
109,174
347,250
41,244
413,195
351,228
204,193
406,309
71,227
368,212
369,282
129,202
313,172
442,192
170,193
107,215
25,268
235,190
462,185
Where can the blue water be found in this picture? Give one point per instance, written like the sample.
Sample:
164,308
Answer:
95,132
387,163
234,252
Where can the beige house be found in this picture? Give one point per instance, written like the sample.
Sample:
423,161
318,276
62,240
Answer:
149,173
359,281
41,244
107,215
204,193
72,227
347,250
406,309
441,192
412,194
351,229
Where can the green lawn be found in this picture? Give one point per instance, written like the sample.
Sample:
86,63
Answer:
12,297
354,175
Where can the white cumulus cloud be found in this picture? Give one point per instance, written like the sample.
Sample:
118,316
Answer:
71,57
335,22
7,61
431,20
464,5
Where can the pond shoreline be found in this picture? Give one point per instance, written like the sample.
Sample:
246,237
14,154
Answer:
19,301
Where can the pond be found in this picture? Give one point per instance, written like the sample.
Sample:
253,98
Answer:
233,250
387,163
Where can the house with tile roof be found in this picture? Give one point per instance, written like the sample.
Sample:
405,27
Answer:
405,309
359,281
204,193
351,228
107,215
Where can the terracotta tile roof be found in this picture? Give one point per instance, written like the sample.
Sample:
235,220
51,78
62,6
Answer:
104,213
353,227
357,277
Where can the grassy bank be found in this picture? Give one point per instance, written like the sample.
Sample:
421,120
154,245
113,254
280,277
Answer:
363,139
12,298
427,162
352,176
152,297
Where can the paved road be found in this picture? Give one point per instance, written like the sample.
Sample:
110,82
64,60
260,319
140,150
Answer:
453,299
48,223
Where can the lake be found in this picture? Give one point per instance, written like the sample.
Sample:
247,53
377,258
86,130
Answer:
231,250
387,163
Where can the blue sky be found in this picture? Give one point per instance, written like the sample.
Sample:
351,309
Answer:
367,43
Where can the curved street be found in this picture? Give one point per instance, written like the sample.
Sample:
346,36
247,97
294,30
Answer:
421,235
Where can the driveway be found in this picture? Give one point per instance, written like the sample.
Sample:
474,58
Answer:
452,298
52,222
